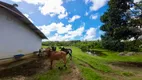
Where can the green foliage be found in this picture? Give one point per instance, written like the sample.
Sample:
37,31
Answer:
133,45
87,45
115,20
119,25
50,75
100,69
127,74
96,63
111,44
83,45
60,43
89,74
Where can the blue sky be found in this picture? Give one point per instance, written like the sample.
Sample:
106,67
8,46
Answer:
62,20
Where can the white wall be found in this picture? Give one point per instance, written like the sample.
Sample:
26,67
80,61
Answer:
16,37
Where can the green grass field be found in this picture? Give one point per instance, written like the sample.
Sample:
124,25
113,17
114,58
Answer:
84,66
98,67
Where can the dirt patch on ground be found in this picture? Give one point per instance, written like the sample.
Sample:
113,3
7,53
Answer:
128,64
73,75
130,71
26,70
22,71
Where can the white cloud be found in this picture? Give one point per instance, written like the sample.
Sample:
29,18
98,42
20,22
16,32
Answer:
53,7
70,35
61,16
69,0
46,29
60,28
94,16
87,13
17,0
48,7
57,37
28,17
96,4
77,32
136,1
90,34
87,1
35,2
75,17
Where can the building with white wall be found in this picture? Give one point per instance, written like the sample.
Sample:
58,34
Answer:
17,34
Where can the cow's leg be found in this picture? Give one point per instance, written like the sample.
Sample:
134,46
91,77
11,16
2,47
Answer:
51,63
64,59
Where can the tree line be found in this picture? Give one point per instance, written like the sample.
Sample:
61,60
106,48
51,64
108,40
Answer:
87,45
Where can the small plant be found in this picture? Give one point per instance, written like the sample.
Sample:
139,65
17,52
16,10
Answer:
127,74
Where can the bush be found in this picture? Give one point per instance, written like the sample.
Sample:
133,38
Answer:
133,45
111,44
115,45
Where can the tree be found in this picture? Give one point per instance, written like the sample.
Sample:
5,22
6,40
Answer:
135,22
120,23
115,25
115,20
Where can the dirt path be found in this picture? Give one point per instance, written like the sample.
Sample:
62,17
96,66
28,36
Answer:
74,75
135,68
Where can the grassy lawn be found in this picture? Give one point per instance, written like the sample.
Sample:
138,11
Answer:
98,67
113,56
88,67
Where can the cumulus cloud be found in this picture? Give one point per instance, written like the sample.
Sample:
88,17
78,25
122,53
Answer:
57,37
70,35
95,16
60,28
61,16
96,4
75,17
90,34
53,7
77,32
136,1
28,17
48,7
